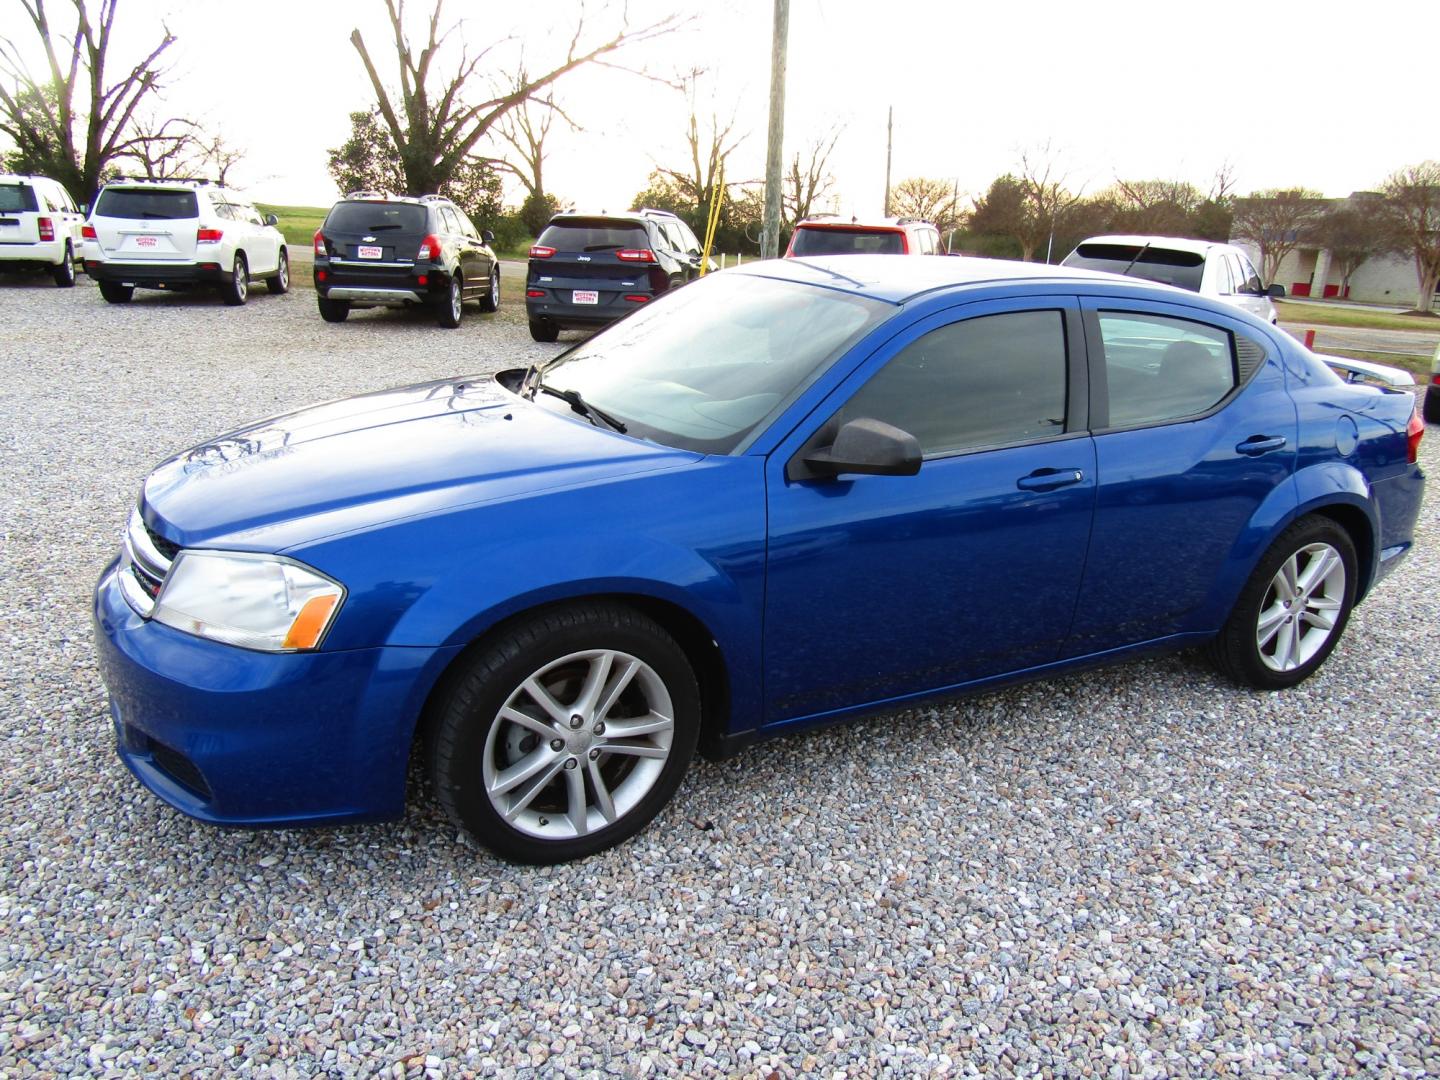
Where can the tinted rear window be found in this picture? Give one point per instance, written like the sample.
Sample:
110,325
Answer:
1183,269
593,236
369,217
829,241
16,198
149,204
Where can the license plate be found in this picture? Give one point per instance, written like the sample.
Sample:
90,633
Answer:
368,252
584,296
145,241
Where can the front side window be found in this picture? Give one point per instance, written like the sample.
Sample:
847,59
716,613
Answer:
988,381
708,365
1159,369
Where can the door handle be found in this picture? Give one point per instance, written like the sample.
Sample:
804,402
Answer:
1049,479
1260,444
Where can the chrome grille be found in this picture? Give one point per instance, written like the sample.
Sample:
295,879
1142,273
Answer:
147,561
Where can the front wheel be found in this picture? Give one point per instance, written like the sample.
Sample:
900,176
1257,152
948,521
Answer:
333,310
65,272
452,305
236,289
491,300
115,293
567,735
1292,611
544,330
280,283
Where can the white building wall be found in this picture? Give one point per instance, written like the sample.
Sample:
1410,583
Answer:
1384,279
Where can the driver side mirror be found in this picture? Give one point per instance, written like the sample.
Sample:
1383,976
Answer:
487,237
1276,291
863,445
271,220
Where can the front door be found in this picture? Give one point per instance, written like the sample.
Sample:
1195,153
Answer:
884,586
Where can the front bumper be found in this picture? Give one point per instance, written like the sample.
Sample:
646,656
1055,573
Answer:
156,275
236,737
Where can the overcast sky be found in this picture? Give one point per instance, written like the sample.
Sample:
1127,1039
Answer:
1331,96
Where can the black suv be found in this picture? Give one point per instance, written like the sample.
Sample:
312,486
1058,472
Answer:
587,270
379,250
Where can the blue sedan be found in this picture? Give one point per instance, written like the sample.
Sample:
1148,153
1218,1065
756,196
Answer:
779,497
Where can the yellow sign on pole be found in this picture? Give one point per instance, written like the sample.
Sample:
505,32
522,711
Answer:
714,218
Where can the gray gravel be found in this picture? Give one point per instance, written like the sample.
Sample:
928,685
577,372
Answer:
1135,872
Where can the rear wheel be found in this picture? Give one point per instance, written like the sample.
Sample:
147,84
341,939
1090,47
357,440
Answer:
236,290
567,735
1292,611
115,293
490,301
280,283
333,310
65,273
452,305
544,330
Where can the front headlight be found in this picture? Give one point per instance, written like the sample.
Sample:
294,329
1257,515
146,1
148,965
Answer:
255,601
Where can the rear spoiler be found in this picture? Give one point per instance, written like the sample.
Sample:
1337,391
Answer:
1365,371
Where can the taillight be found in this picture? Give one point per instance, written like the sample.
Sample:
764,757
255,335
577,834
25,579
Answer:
1413,434
644,255
47,229
534,292
319,243
1435,378
429,248
539,252
636,298
208,236
87,232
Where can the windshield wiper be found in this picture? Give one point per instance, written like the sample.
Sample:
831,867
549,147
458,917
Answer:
583,407
1131,265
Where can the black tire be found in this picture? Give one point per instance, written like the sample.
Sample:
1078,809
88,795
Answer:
1431,408
470,743
280,283
64,274
235,290
333,310
490,298
1237,650
115,293
544,330
450,312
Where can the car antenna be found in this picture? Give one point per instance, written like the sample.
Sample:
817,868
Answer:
1126,271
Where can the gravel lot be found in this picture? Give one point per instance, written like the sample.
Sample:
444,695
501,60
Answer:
1135,872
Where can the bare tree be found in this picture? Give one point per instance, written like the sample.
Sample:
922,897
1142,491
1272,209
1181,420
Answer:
434,126
1046,200
710,143
935,201
166,149
1155,207
1354,231
805,185
1276,221
1412,197
75,120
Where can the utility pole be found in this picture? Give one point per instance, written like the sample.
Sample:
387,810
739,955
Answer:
770,229
889,139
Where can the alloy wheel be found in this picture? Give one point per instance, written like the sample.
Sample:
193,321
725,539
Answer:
1301,607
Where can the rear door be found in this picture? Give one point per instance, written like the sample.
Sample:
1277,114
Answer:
1193,431
147,224
262,245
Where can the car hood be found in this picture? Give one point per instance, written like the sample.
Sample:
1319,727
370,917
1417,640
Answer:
361,461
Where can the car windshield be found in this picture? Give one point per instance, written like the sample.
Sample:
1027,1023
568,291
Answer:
365,217
16,198
147,203
593,236
705,367
1183,269
828,240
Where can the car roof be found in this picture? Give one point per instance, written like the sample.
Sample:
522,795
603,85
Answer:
1173,243
897,279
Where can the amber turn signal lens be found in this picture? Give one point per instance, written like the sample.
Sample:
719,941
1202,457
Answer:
305,631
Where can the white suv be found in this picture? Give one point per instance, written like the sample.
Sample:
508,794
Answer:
39,226
167,234
1206,267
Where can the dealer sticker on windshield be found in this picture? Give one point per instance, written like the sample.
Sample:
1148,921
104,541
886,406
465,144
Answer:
584,296
368,252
